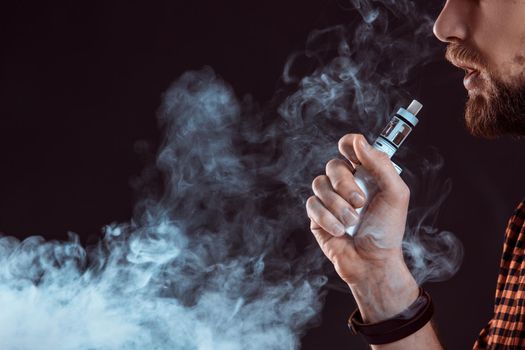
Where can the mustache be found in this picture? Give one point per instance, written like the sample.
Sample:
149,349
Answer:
460,54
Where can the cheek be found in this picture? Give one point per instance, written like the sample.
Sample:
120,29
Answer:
512,71
518,65
506,66
499,32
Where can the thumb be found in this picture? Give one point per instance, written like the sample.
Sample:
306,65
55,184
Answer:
377,164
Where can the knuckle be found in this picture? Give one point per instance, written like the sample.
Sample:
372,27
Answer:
328,251
382,157
404,192
331,165
345,140
341,184
318,182
310,202
336,259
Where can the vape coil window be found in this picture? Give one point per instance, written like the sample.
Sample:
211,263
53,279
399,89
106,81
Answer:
402,135
389,128
396,131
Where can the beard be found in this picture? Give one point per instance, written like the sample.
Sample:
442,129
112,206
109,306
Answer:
499,107
498,112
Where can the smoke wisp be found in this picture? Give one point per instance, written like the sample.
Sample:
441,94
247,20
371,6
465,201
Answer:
220,256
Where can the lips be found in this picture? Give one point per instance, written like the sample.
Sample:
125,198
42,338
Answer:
472,80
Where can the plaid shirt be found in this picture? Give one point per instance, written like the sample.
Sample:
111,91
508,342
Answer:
506,329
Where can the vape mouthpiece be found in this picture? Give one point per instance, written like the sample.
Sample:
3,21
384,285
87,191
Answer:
414,107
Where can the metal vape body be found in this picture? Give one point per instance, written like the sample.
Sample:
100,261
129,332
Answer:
389,141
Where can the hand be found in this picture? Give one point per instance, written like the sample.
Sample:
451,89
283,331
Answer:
371,261
376,246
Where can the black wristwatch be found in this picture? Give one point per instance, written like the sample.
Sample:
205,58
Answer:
408,322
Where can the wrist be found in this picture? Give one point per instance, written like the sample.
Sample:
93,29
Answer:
388,290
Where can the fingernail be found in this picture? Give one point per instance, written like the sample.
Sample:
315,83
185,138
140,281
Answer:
339,229
349,217
356,199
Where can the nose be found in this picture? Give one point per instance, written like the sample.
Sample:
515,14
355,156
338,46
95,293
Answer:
452,23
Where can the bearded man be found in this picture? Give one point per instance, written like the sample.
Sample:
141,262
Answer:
487,39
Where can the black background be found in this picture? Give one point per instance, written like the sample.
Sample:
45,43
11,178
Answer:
80,84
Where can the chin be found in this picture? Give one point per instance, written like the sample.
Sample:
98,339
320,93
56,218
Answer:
480,117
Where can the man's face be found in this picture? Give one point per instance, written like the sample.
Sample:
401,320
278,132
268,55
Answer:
487,39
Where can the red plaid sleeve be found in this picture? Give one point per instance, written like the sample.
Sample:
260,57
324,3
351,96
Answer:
506,329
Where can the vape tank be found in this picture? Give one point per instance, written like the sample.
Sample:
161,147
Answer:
391,138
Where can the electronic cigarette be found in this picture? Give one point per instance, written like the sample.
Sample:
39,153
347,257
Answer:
392,137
